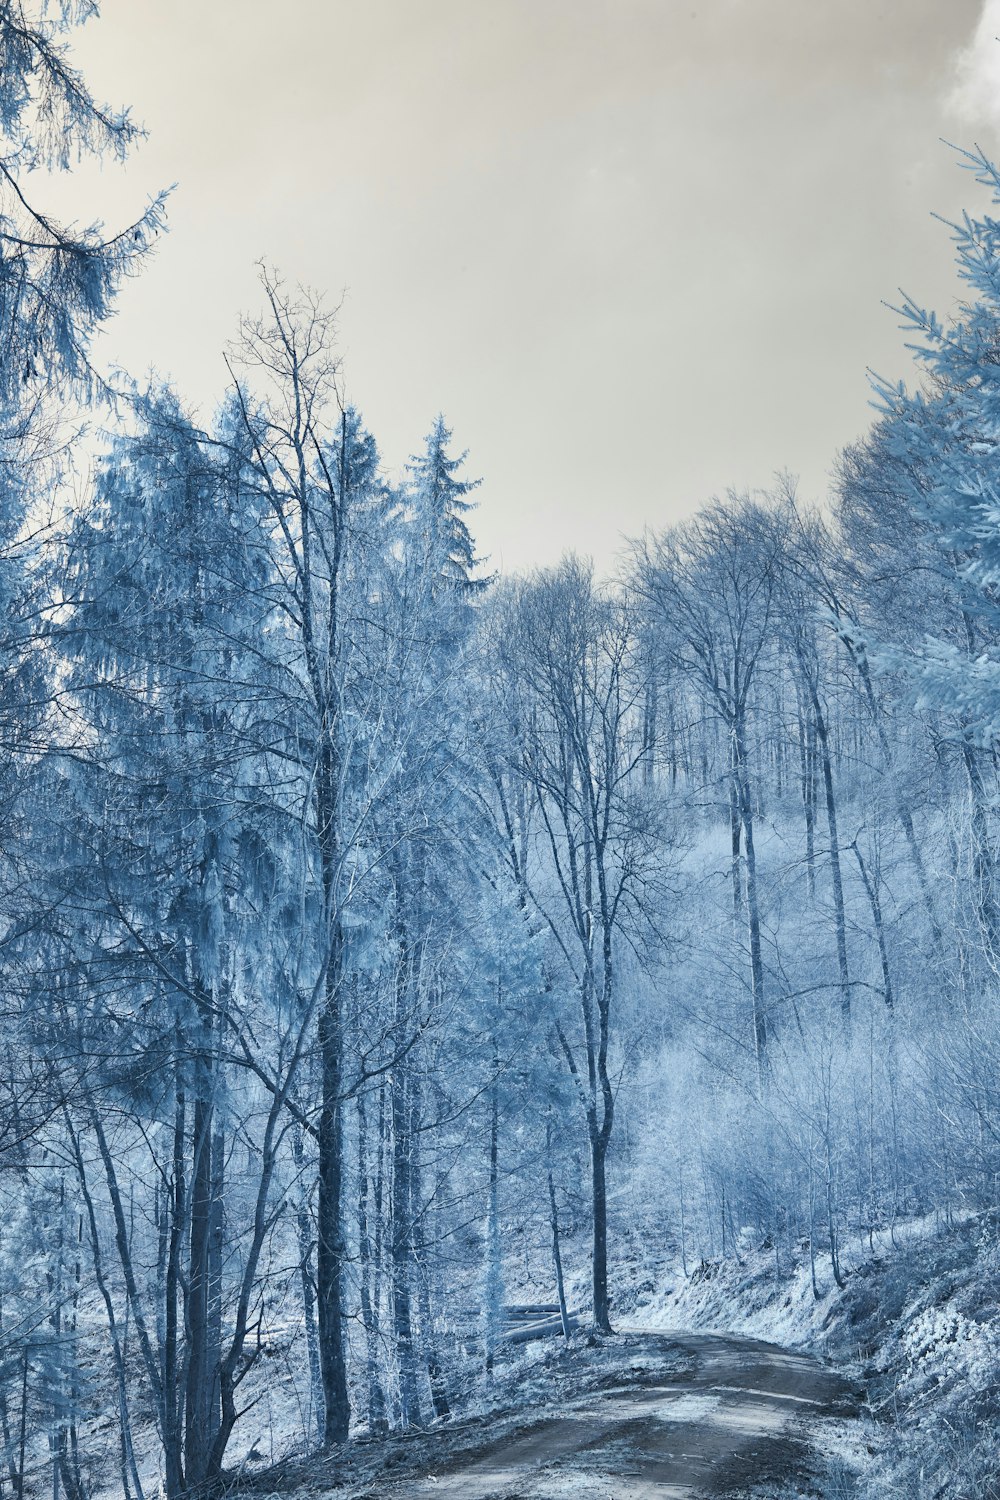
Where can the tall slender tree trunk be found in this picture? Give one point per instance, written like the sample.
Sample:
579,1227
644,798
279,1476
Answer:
22,1440
304,1235
8,1445
402,1250
757,978
599,1194
331,1249
129,1470
402,1196
808,797
171,1370
831,1214
557,1265
839,915
983,861
432,1354
649,730
199,1378
735,837
902,811
429,1351
875,903
812,1229
369,1272
217,1228
493,1294
379,1200
155,1368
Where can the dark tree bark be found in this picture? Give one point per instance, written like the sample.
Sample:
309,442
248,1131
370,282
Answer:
307,1282
331,1247
369,1271
557,1256
874,901
401,1248
200,1420
839,913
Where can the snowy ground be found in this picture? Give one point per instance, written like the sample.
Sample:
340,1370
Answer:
638,1416
913,1339
755,1295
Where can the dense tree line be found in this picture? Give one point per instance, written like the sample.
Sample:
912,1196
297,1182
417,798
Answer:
383,940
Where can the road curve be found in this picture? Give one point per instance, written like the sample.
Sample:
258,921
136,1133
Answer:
745,1413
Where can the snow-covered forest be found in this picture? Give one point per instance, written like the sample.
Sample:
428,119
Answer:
385,942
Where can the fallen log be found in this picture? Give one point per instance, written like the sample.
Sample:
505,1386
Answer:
541,1328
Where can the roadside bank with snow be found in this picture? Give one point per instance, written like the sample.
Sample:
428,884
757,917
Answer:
918,1321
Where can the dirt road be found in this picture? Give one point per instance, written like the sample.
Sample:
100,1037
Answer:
743,1414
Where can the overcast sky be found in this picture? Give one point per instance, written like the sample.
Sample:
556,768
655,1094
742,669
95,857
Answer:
635,250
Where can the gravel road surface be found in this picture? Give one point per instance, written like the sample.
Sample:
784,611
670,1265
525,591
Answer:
745,1414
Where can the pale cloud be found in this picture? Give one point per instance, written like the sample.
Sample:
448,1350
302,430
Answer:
974,95
636,250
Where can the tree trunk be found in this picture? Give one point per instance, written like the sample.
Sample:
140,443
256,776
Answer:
331,1249
808,798
983,863
757,982
171,1371
839,915
376,1394
832,1220
199,1378
304,1236
602,1301
129,1470
330,1230
859,657
557,1257
402,1246
217,1230
432,1356
493,1292
874,901
812,1231
649,730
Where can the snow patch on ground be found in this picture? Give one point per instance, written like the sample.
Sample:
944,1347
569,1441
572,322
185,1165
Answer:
755,1295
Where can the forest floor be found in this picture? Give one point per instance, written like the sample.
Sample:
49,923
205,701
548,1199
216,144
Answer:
886,1386
639,1416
